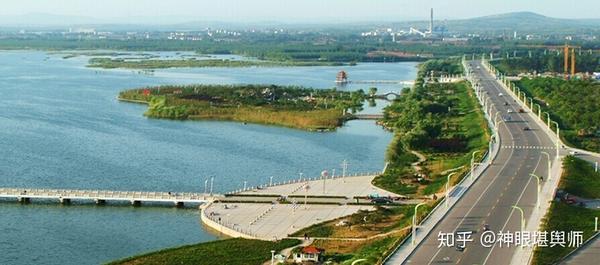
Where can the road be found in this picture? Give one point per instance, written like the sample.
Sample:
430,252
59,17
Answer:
505,183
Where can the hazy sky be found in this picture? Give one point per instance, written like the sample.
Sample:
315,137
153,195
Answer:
295,10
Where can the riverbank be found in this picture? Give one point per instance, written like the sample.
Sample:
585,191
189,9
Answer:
294,107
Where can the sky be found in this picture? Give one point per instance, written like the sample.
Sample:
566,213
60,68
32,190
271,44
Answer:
177,11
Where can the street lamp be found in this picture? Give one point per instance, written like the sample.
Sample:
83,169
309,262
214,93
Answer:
473,162
205,185
539,110
212,181
272,257
522,218
537,200
414,223
271,181
548,118
447,189
557,138
549,162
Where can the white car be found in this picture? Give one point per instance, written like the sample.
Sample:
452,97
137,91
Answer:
573,153
510,111
500,94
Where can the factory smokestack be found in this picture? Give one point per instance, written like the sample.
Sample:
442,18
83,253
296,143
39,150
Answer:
431,22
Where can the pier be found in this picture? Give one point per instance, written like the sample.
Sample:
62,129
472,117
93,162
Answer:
136,198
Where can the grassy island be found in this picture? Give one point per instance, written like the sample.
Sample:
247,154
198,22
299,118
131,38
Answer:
235,251
111,63
295,107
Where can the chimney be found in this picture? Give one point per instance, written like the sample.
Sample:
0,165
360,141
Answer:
431,22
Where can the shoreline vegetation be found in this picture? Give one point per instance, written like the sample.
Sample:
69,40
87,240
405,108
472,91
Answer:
144,63
294,107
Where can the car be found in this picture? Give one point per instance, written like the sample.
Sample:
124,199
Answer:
526,129
486,227
521,110
505,103
510,111
381,200
500,94
573,153
460,247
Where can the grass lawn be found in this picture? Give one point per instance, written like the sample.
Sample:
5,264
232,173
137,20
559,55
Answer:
362,224
578,178
564,217
235,251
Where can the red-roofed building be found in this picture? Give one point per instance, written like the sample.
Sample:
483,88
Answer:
308,254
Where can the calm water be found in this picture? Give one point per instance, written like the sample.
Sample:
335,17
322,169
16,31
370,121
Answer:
61,127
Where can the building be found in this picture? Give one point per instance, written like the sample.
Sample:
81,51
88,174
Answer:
309,254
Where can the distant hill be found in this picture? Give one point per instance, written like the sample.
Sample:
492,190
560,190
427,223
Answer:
523,22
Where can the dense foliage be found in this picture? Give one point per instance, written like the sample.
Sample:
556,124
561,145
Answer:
236,251
550,62
574,103
442,120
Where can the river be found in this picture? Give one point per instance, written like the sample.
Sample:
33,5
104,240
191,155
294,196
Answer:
61,127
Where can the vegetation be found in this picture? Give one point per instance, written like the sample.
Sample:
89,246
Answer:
573,104
441,121
549,62
362,224
296,107
578,178
235,251
109,63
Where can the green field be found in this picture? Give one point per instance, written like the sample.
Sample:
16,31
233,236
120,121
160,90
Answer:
234,251
578,178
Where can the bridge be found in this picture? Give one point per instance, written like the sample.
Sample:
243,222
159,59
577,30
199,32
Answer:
390,82
100,197
367,116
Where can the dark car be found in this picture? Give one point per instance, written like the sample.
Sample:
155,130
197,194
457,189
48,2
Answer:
381,200
526,129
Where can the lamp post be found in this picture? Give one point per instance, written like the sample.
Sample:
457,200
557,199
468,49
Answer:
548,119
447,189
212,181
557,138
473,162
271,181
522,217
272,257
537,200
549,163
414,223
539,110
205,185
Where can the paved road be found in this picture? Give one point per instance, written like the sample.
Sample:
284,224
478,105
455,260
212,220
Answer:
505,183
